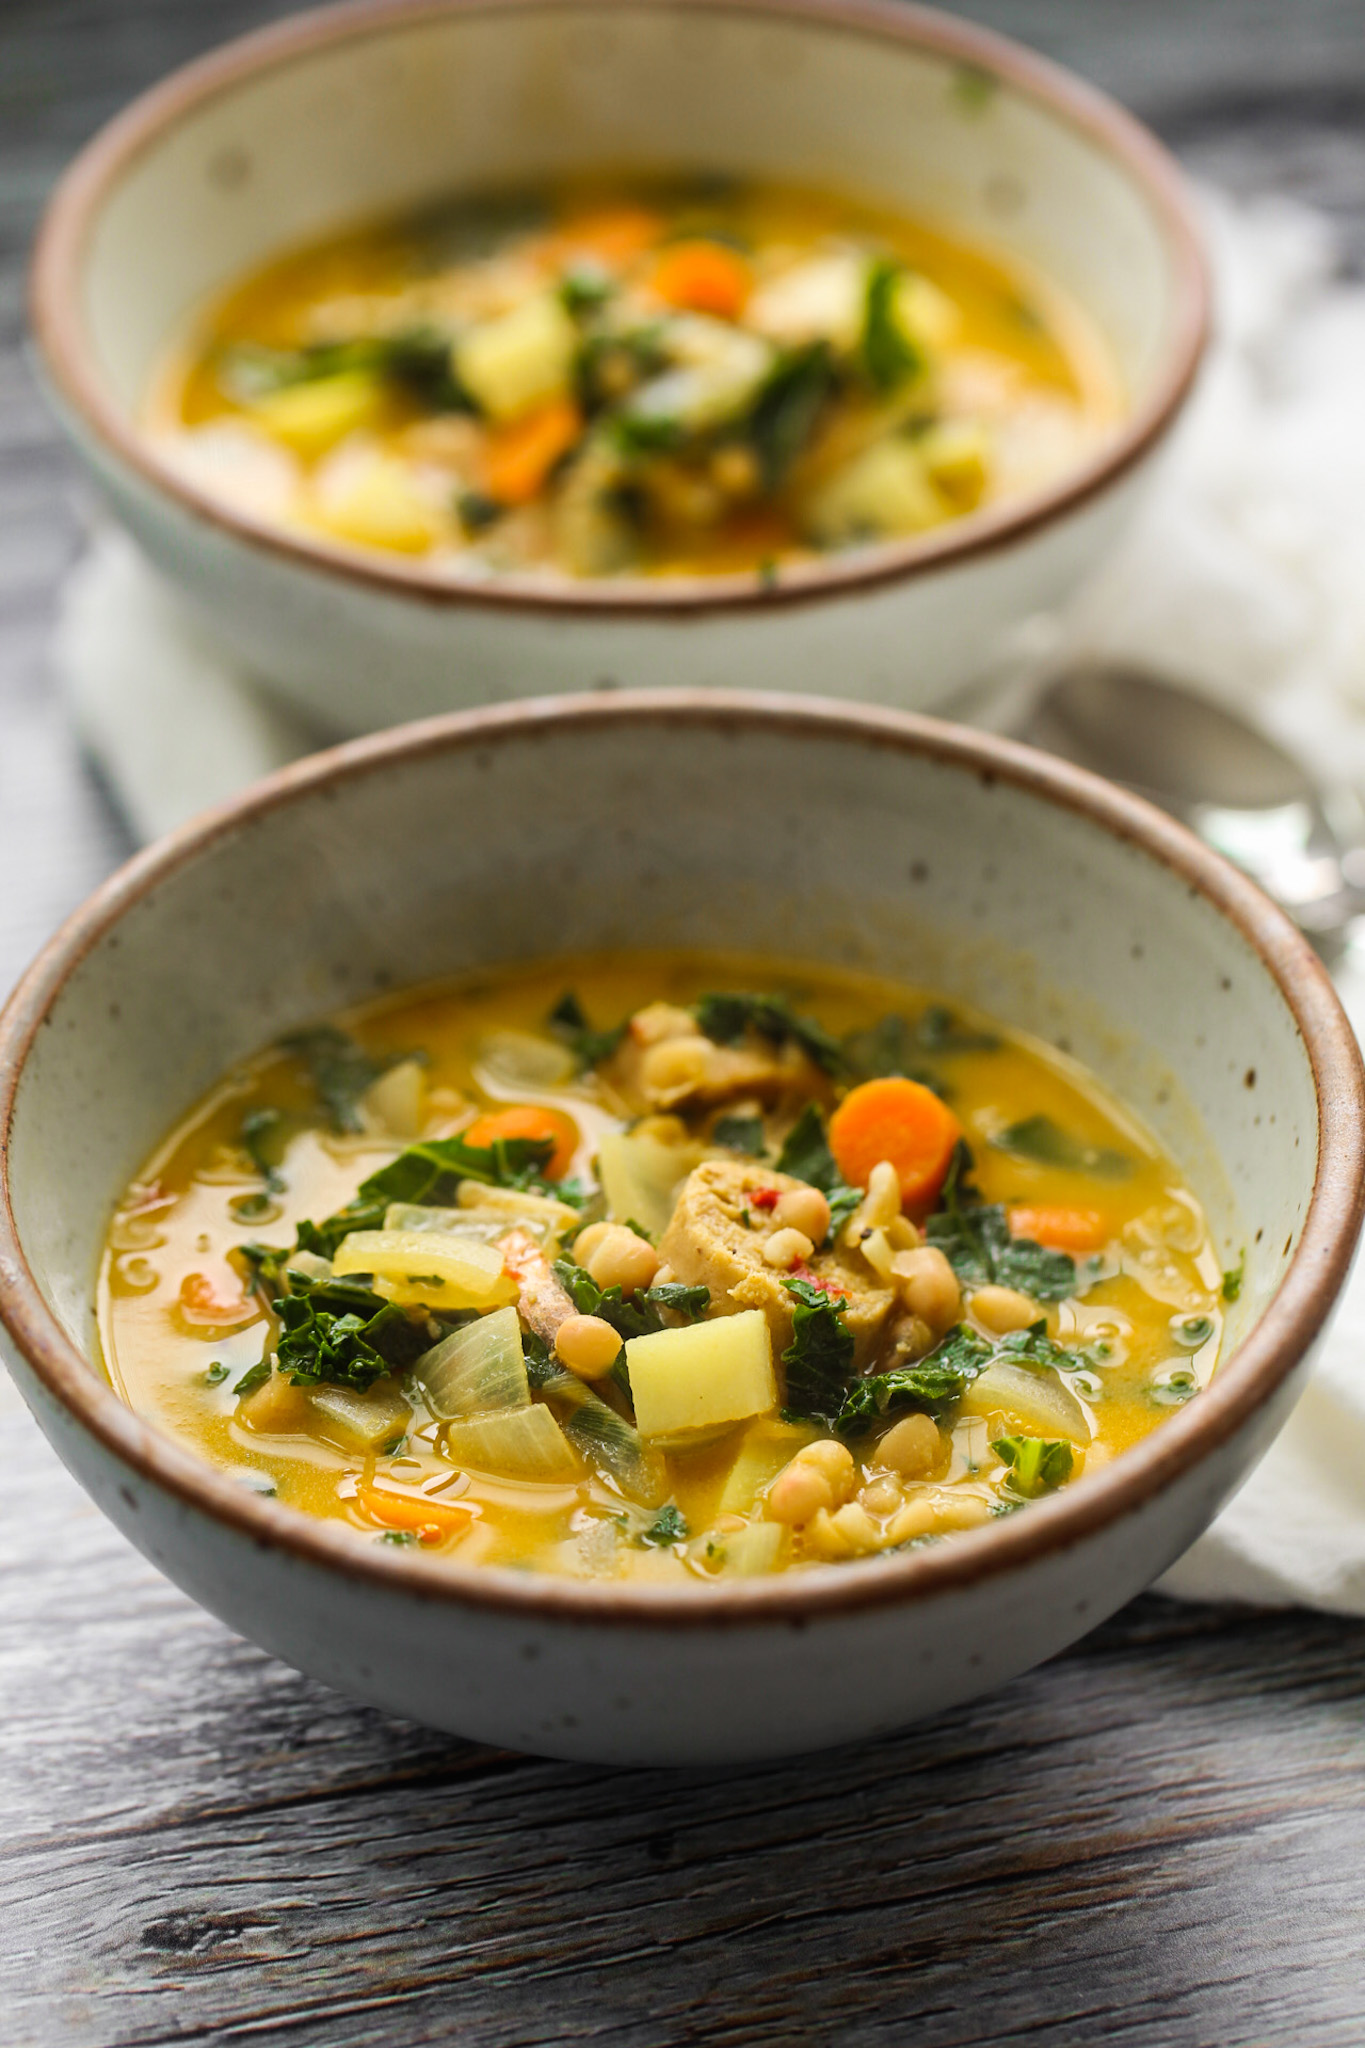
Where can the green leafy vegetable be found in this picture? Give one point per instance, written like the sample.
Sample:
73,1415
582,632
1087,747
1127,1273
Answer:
418,361
317,1347
1044,1141
819,1358
931,1384
639,1317
669,1526
339,1070
585,287
1233,1278
740,1133
403,1536
254,1376
975,1238
889,356
429,1174
262,1140
787,407
1037,1464
940,1030
679,1298
1192,1331
805,1155
478,511
727,1017
216,1373
891,1046
570,1025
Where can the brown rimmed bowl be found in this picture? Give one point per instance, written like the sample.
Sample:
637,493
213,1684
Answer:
374,107
782,825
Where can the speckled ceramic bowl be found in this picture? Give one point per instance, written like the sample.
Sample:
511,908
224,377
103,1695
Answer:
778,824
361,109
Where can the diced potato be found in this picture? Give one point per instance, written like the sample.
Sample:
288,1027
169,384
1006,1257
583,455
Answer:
556,1216
377,506
358,1422
881,493
524,1443
641,1174
314,416
519,361
398,1098
704,1377
428,1265
276,1408
755,1549
1040,1401
766,1446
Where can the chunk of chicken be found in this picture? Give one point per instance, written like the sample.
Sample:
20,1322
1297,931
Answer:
718,1236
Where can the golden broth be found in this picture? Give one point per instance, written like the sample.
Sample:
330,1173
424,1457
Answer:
634,379
182,1324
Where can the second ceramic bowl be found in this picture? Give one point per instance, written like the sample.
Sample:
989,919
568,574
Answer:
375,107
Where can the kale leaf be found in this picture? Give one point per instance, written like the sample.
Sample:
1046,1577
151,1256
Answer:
740,1133
318,1347
639,1317
726,1017
940,1030
819,1358
889,356
1037,1464
669,1526
975,1238
787,407
1044,1141
931,1384
262,1139
805,1155
430,1173
339,1069
1233,1278
570,1025
417,360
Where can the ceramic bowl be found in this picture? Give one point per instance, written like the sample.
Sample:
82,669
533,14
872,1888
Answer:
858,837
367,108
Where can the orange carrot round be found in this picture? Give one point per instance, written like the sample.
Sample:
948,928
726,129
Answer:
519,457
703,277
1062,1229
431,1521
528,1120
899,1120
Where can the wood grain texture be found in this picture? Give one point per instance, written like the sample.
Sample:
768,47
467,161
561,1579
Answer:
1157,1840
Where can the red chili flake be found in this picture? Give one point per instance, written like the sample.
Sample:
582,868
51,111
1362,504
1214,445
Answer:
764,1198
820,1281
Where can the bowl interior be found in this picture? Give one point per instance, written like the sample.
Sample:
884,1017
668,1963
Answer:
388,111
857,838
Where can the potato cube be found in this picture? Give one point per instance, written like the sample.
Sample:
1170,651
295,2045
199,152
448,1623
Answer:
704,1377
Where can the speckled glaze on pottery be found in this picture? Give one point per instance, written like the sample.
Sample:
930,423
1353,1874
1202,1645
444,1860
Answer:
782,824
360,109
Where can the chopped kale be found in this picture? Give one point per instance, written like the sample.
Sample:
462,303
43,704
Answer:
418,361
639,1317
262,1141
477,511
787,407
889,356
254,1376
931,1384
891,1046
819,1358
805,1155
1037,1464
727,1017
1233,1278
669,1526
975,1238
569,1023
318,1347
430,1173
585,287
1040,1139
339,1070
939,1030
216,1373
403,1536
740,1133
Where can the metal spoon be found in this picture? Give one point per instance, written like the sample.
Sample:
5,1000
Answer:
1231,783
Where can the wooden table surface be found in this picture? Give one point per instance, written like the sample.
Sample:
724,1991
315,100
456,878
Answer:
1158,1839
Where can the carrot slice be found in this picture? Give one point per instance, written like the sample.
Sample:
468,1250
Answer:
703,277
613,234
899,1120
528,1120
519,457
431,1521
1064,1230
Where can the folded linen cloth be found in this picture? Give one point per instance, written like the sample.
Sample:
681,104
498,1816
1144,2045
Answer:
1241,578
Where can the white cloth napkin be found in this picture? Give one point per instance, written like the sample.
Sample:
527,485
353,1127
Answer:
1242,577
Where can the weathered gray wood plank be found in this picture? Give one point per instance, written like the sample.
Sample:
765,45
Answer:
1157,1840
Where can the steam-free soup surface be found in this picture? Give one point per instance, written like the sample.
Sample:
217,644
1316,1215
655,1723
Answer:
664,1268
629,378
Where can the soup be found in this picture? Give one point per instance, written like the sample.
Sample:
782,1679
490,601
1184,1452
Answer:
674,1268
697,377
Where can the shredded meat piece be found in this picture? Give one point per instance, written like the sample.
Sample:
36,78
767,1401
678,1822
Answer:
544,1305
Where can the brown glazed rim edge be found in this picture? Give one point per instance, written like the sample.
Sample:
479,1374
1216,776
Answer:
59,326
1242,1384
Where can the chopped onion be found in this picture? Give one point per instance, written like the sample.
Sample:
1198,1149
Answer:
607,1440
521,1060
484,1226
477,1370
427,1265
753,1549
355,1421
522,1443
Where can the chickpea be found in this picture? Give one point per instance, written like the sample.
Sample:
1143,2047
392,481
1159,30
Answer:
880,1206
787,1248
798,1493
928,1286
910,1447
587,1241
621,1259
806,1210
674,1065
1002,1309
835,1461
880,1497
851,1532
659,1022
903,1234
587,1346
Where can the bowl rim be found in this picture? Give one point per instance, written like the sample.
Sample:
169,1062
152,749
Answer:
58,322
1244,1382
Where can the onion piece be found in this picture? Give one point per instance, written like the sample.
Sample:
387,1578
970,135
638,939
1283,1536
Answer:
478,1370
522,1443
